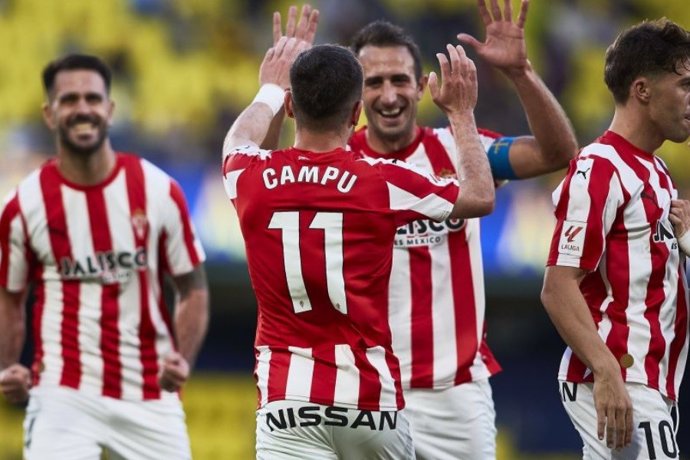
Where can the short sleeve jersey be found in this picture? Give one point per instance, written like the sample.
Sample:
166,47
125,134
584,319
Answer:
319,230
96,256
612,212
436,293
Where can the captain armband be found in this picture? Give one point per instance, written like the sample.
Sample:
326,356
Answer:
271,95
499,158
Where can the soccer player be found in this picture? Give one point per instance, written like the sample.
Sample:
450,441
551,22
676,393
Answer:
436,293
615,285
95,231
319,223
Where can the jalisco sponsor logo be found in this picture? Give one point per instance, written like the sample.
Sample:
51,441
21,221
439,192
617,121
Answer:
426,232
110,266
331,416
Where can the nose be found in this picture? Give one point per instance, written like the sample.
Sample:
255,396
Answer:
389,95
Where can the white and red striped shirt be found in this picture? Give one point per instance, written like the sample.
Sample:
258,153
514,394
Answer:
612,213
436,291
96,256
319,229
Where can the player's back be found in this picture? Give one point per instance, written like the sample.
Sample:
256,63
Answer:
319,245
319,231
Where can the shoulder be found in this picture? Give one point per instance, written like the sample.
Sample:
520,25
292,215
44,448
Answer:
242,156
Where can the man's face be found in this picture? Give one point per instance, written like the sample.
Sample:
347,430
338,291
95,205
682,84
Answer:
391,92
670,103
79,110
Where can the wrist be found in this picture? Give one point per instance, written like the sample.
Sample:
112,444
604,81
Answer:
272,95
520,72
684,242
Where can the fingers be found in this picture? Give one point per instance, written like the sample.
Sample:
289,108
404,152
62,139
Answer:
470,40
15,382
174,372
507,10
433,83
484,12
496,10
601,422
629,427
524,6
277,32
291,22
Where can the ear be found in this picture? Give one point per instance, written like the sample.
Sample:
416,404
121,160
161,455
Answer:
356,112
421,86
287,102
111,111
640,89
48,115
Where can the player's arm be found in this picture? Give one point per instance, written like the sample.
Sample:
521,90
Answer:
15,379
190,326
457,97
554,142
570,315
252,125
304,29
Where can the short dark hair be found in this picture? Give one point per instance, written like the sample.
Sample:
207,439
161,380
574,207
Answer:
326,82
75,62
382,34
647,48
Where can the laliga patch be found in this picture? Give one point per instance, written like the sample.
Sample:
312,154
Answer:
572,238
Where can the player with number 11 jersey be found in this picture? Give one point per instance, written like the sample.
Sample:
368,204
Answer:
335,349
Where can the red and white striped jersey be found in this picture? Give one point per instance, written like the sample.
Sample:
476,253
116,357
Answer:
436,291
319,229
96,256
612,213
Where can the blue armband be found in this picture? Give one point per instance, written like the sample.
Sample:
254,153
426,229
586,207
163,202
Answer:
499,158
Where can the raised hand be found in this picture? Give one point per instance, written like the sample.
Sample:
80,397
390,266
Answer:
304,30
15,382
299,36
504,47
457,92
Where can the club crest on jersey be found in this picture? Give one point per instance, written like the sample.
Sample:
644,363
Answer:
140,223
572,238
108,267
426,232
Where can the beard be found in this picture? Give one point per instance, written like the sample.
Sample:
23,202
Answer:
84,149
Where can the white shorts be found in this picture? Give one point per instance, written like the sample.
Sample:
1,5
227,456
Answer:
67,424
455,423
300,430
655,423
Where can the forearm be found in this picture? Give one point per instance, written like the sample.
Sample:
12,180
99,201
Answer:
191,323
570,315
272,139
250,127
474,173
548,122
12,319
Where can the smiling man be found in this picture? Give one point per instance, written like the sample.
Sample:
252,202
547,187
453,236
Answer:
94,231
436,293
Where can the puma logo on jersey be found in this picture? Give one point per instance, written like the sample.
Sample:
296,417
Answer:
583,172
331,416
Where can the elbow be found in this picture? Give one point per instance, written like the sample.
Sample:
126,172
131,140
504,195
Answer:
485,202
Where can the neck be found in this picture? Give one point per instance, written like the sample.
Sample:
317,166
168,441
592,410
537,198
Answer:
383,145
636,128
321,142
89,169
